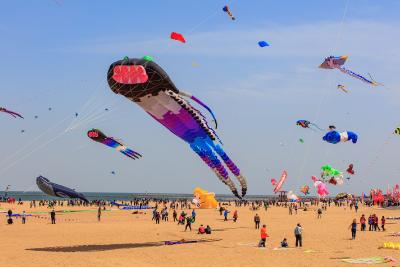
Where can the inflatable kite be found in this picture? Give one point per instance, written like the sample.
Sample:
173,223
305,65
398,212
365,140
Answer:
335,176
204,199
280,183
12,113
335,137
338,62
178,37
350,169
322,191
57,190
159,97
227,10
342,87
305,189
262,44
98,136
273,181
306,124
292,197
397,131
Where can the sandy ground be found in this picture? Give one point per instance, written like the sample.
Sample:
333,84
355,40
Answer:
125,239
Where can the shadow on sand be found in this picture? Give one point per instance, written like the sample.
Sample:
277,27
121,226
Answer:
106,247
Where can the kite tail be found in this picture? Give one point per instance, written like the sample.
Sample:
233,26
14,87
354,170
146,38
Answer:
198,101
207,155
233,168
14,114
357,76
130,153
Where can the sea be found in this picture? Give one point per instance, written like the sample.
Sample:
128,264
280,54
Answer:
38,195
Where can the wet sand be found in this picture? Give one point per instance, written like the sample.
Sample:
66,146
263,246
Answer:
126,239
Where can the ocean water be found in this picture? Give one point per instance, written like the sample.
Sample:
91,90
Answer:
37,195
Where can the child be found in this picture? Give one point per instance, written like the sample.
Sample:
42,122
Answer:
284,243
353,227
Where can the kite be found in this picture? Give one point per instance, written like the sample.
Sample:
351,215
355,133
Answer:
350,169
336,177
305,189
204,199
338,62
12,113
292,197
322,191
306,124
178,37
335,137
342,87
159,97
280,183
57,190
228,11
397,131
147,58
273,181
301,140
263,43
98,136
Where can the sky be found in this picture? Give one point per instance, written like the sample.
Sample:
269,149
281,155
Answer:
56,53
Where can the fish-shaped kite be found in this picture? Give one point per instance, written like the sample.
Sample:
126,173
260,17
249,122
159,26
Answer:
98,136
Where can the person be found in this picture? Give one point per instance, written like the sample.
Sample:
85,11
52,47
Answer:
284,243
221,209
188,223
264,235
298,234
193,216
235,216
175,215
376,222
290,210
23,217
202,230
362,222
383,221
208,230
353,227
226,212
158,216
319,213
257,221
370,222
295,208
356,206
53,217
99,213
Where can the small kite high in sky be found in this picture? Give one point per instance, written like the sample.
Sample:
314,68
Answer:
262,44
338,62
12,113
397,131
178,37
57,190
98,136
342,88
306,124
227,10
160,98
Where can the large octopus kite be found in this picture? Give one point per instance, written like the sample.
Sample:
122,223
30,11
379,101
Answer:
148,85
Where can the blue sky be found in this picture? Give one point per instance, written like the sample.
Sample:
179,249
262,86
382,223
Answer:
56,54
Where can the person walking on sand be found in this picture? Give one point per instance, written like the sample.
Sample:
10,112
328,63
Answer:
175,215
226,212
319,213
235,216
257,221
53,217
23,216
298,231
188,223
362,222
264,235
383,221
99,214
353,227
